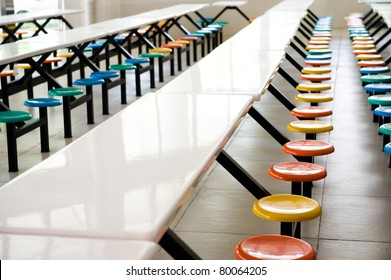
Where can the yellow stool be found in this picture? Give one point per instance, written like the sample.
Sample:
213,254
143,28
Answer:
316,70
68,55
313,87
29,81
290,210
314,98
369,56
363,47
310,127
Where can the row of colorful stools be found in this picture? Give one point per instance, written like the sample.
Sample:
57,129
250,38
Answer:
374,77
298,206
80,91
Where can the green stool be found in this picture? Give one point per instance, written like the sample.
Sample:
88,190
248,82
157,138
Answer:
122,68
70,102
11,118
374,79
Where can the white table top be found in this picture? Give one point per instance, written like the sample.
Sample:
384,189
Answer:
229,3
126,178
384,10
30,47
32,247
30,16
229,71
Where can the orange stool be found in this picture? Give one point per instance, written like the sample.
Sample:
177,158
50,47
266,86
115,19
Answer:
298,173
178,47
311,112
306,150
48,67
274,247
315,77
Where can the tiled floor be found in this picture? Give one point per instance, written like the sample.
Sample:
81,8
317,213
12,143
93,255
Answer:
355,196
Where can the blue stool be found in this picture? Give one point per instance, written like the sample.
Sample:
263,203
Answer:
318,57
387,149
137,62
42,122
11,119
106,76
89,83
374,70
94,47
383,113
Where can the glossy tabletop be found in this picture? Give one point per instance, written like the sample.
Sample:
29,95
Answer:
127,177
229,3
384,10
33,247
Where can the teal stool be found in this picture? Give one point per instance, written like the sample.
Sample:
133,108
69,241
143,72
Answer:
11,118
89,83
122,68
151,57
42,104
106,76
375,79
70,102
385,129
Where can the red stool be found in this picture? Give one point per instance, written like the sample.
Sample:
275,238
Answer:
306,150
274,247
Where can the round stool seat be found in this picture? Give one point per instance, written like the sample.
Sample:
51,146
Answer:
382,88
363,38
380,99
136,61
374,70
315,77
7,73
104,74
202,31
317,41
172,46
369,56
376,78
322,39
122,67
180,42
310,126
319,51
369,51
68,91
296,171
371,63
14,116
287,208
66,55
363,47
188,38
371,42
317,62
387,148
383,111
161,50
385,129
42,102
96,45
312,87
318,57
274,247
24,66
88,82
197,35
316,47
311,112
152,55
307,148
52,60
315,70
313,97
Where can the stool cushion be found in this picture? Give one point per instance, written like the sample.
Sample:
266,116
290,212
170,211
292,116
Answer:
370,51
368,63
24,66
378,87
7,73
385,129
68,91
136,61
315,70
387,148
297,171
42,102
52,60
317,62
309,112
310,126
66,55
380,99
152,55
314,97
88,82
307,148
14,116
318,57
311,87
122,67
287,208
317,47
376,78
161,50
374,70
363,47
315,77
188,38
383,111
319,51
104,74
369,56
172,46
274,247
